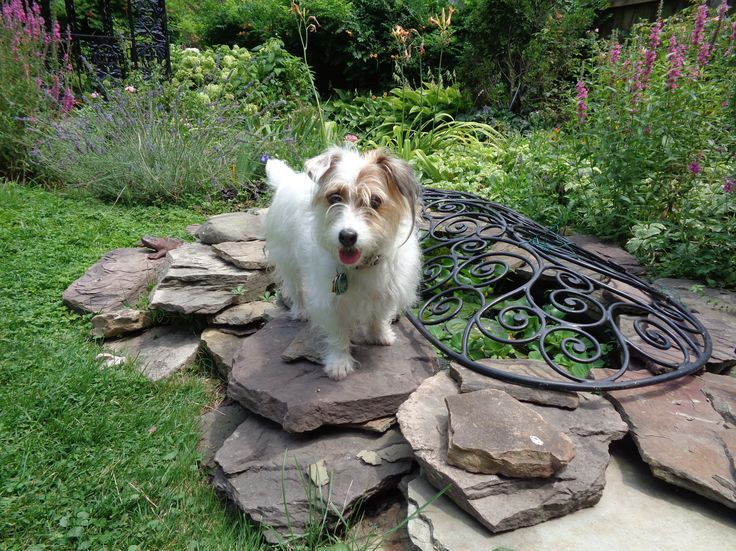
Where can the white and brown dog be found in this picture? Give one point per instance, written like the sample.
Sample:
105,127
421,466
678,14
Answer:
342,239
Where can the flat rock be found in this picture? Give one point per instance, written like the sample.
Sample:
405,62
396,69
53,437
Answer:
376,425
261,467
115,281
194,280
233,226
721,391
215,427
683,439
303,347
637,513
248,255
609,251
382,531
222,347
160,351
247,313
471,381
301,397
490,432
716,310
120,322
501,503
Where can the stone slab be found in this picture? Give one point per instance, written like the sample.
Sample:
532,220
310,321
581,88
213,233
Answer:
194,280
247,313
261,467
609,251
222,347
502,503
215,426
490,432
115,281
636,513
301,397
716,310
471,381
160,351
119,322
248,255
233,226
681,436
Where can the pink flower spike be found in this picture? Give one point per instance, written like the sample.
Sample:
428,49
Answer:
582,95
694,167
700,18
352,138
722,9
67,102
615,52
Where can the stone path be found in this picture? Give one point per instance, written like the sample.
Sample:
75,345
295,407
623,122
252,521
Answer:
510,457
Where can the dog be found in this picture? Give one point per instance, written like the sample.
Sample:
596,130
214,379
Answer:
342,239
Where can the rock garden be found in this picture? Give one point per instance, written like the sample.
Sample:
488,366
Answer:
290,447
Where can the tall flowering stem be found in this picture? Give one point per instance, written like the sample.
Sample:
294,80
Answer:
582,97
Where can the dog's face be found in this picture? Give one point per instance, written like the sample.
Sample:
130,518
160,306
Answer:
361,202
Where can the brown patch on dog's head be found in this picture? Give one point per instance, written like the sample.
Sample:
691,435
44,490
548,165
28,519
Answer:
397,178
322,167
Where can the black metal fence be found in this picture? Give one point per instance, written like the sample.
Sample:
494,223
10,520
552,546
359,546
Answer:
135,38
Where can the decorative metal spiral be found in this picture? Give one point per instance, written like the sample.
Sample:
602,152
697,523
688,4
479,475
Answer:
496,284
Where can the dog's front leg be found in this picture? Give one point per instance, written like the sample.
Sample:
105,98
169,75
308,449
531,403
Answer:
336,354
379,330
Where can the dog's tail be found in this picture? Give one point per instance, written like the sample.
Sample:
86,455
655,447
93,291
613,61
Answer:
279,173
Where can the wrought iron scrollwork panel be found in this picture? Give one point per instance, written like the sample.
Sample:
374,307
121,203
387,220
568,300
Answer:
498,285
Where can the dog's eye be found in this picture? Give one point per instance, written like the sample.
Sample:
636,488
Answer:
334,198
375,202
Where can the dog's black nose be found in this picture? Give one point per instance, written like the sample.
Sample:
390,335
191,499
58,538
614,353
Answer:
347,237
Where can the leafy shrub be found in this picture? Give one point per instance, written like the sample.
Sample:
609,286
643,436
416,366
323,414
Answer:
519,55
655,121
35,77
259,78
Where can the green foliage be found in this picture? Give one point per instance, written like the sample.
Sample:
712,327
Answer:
521,55
84,448
257,79
657,137
134,148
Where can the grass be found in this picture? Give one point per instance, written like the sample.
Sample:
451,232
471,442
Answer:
92,458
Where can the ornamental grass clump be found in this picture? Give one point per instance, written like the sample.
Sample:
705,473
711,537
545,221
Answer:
35,73
135,147
655,124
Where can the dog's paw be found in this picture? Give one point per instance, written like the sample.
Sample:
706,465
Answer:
383,336
338,369
298,314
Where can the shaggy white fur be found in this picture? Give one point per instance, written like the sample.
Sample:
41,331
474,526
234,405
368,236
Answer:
348,214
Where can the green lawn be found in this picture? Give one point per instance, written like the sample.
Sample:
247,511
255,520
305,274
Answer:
92,458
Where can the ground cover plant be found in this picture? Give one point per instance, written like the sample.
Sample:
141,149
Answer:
92,458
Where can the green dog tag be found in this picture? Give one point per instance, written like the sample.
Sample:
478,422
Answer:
340,283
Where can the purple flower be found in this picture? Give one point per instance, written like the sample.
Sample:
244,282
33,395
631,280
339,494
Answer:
264,158
700,19
676,57
704,53
730,185
582,95
654,35
722,9
694,167
615,52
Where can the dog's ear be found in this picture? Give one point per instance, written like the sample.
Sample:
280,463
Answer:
319,168
399,175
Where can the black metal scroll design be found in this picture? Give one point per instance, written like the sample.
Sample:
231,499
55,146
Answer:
150,35
498,285
104,51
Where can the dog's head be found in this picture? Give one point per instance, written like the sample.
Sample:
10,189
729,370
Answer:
365,204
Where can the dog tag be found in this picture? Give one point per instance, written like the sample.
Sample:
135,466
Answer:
340,283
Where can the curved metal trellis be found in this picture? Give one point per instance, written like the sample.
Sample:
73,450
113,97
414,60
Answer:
496,284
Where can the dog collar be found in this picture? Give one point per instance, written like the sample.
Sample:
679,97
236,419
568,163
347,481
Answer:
340,281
